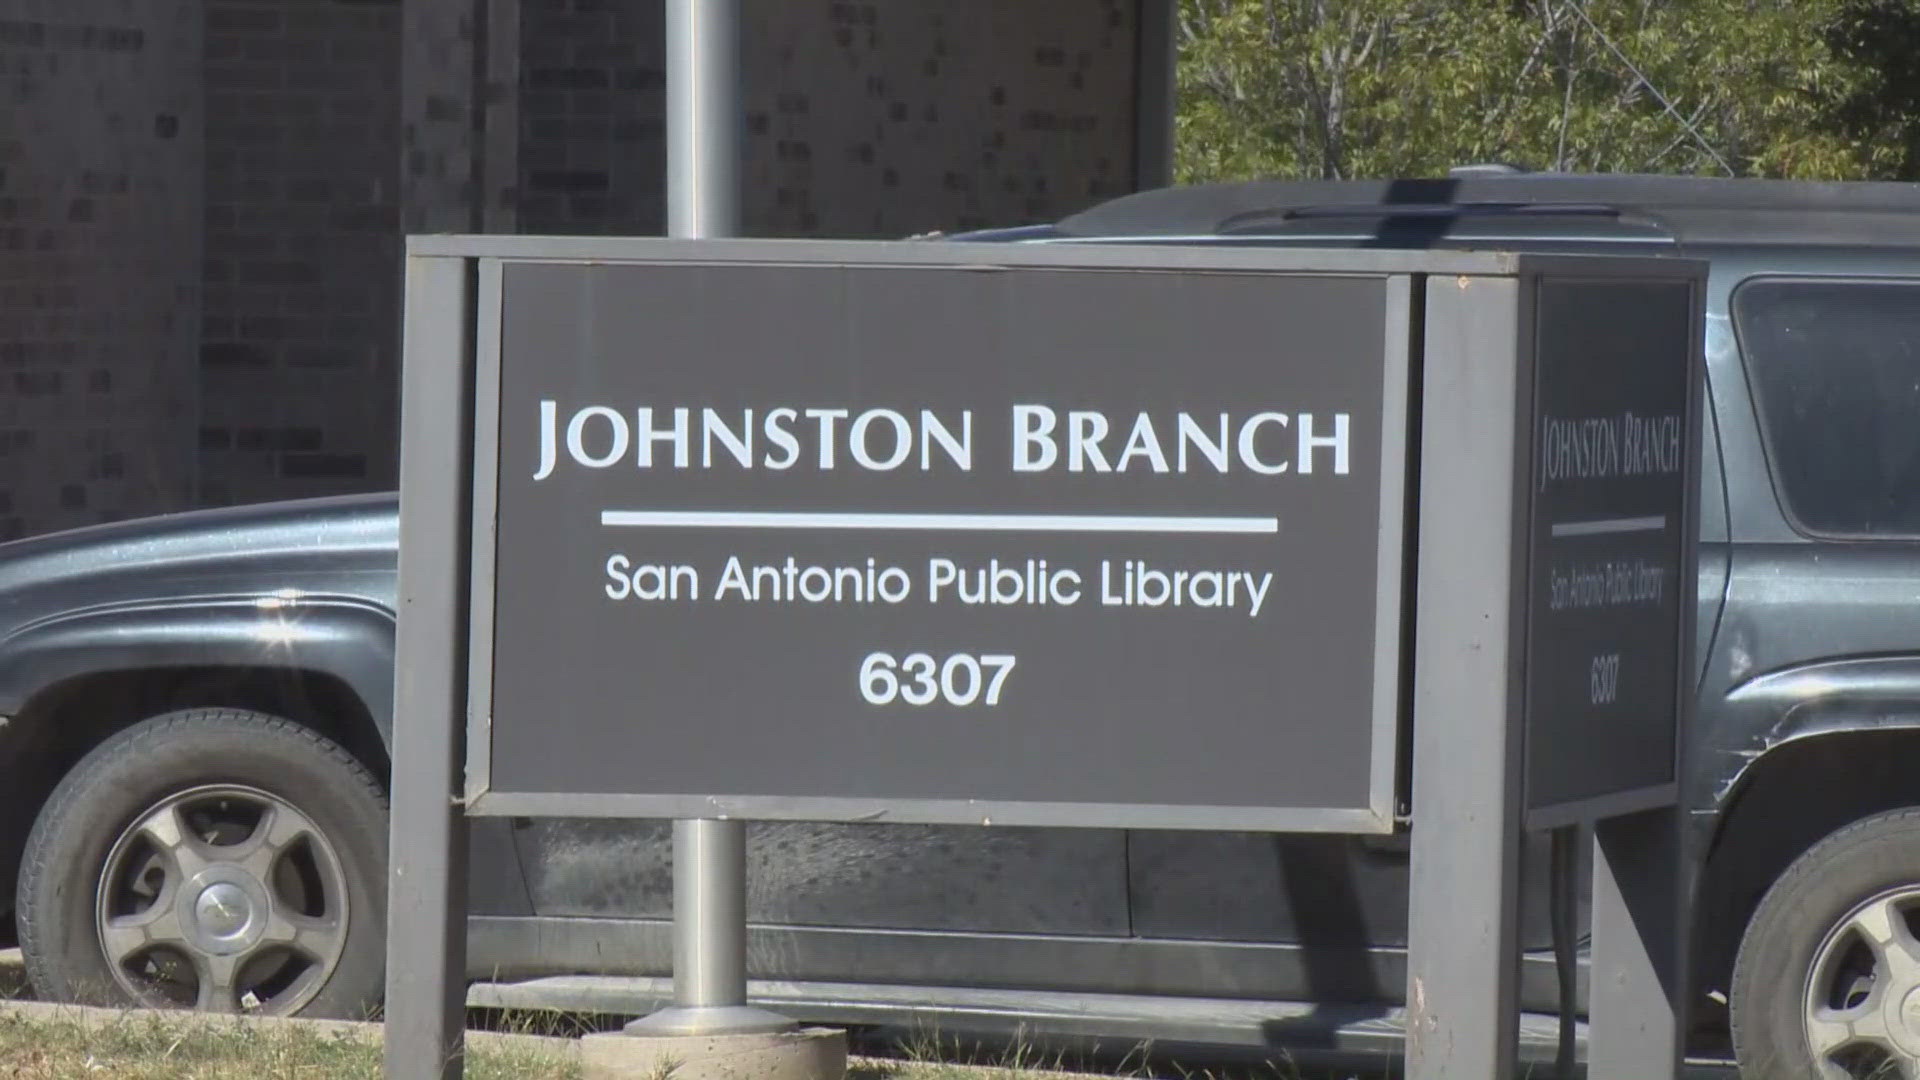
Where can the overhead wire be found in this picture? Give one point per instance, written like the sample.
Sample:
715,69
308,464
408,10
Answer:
1579,8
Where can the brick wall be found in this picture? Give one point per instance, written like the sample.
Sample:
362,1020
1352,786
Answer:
202,202
884,119
863,119
592,147
99,250
299,327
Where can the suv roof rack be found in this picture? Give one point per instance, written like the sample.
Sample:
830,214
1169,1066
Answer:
1488,168
1408,212
1670,208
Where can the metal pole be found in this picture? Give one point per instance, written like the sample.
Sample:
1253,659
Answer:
703,118
710,914
1154,94
710,938
709,857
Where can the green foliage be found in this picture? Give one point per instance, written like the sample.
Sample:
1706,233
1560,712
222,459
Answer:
1352,88
1881,40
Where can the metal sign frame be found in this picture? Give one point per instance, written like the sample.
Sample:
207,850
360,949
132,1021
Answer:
1544,814
1471,722
490,255
1451,692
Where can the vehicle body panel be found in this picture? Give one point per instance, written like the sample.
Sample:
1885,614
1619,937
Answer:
242,587
1812,629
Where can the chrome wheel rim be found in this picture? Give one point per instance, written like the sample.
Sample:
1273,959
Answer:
1862,999
222,898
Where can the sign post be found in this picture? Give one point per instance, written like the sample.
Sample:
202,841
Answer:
709,854
426,1015
1100,536
1555,599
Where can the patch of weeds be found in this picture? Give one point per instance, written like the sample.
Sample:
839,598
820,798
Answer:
151,1047
13,983
928,1055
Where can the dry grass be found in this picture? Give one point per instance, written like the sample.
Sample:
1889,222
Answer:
930,1056
96,1045
146,1046
180,1046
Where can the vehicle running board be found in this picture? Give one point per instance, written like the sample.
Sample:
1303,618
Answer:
1187,1028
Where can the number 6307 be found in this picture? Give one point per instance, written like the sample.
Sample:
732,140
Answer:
919,679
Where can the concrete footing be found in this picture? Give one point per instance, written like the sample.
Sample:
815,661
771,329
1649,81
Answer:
804,1054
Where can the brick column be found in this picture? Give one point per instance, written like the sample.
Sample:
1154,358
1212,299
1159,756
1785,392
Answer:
100,178
301,354
438,152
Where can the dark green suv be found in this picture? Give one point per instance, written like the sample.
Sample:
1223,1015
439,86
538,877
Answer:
223,681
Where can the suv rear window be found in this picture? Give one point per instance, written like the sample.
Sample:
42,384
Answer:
1835,368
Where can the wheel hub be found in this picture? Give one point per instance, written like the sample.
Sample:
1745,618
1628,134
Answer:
1862,1009
1903,1020
225,909
194,908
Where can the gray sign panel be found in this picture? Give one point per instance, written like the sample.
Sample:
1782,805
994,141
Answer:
1087,535
1610,536
1019,544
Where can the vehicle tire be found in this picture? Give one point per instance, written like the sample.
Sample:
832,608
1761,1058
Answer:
216,859
1827,982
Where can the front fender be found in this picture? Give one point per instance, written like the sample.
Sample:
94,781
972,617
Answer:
346,638
1791,706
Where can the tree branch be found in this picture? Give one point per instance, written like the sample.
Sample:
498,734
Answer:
1566,103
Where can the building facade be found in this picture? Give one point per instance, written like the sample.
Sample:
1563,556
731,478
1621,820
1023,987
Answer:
203,202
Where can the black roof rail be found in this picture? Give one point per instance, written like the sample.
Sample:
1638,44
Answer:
1488,168
1419,210
1682,207
1425,224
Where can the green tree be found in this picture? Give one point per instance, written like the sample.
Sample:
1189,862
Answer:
1350,88
1881,111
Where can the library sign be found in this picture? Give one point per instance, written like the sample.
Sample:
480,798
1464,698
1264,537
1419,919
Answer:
1038,535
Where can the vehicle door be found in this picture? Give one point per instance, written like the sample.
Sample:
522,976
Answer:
1819,394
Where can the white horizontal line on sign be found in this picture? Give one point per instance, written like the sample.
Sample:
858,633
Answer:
1608,526
1068,523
